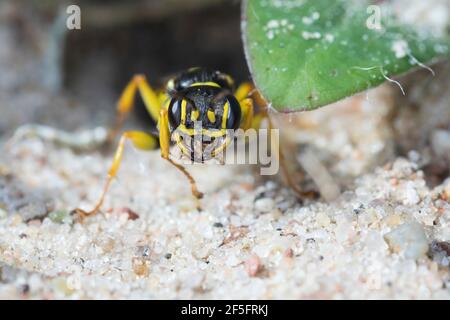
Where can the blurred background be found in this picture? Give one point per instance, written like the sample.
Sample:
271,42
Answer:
72,78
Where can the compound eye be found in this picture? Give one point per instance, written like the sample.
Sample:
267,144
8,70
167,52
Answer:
234,113
175,113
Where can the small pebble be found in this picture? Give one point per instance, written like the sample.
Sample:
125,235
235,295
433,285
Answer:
24,289
440,253
393,220
289,253
33,210
410,195
131,214
60,216
409,239
445,194
440,142
235,233
322,219
140,267
232,260
253,265
146,251
264,204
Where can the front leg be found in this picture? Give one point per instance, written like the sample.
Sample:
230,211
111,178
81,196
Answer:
287,176
164,140
152,101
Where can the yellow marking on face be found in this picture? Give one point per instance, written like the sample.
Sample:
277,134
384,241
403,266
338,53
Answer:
209,83
185,150
180,143
213,133
183,111
194,115
226,108
211,116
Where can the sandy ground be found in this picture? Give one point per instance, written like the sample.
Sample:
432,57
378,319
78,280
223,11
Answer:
383,237
386,235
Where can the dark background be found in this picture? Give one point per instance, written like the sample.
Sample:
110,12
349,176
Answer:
74,77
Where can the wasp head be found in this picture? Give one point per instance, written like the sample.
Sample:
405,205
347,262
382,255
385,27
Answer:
202,120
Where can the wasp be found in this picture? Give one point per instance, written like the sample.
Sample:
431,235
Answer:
195,95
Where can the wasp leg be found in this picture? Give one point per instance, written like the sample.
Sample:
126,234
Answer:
248,96
248,90
140,140
164,141
247,113
243,91
284,169
257,119
152,101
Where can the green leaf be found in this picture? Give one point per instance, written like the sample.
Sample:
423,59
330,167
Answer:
304,54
